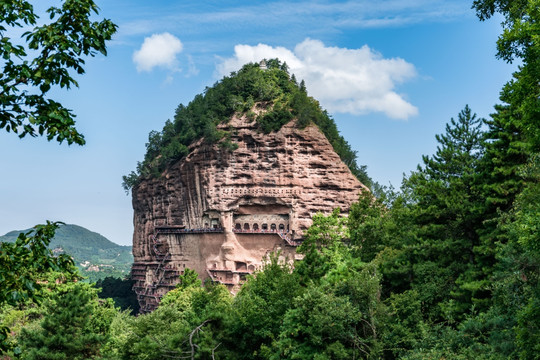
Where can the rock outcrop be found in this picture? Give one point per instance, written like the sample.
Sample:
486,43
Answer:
221,212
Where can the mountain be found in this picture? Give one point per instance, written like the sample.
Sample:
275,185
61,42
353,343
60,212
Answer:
260,160
95,255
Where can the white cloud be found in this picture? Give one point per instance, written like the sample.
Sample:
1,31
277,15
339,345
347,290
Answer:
356,81
158,50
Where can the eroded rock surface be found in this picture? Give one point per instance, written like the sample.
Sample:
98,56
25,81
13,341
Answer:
221,213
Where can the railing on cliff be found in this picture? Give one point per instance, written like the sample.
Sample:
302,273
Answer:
164,271
183,230
147,293
281,234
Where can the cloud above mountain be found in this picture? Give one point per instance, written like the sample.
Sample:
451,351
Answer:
158,50
355,81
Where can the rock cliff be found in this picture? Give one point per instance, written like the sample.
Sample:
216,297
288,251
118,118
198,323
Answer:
221,212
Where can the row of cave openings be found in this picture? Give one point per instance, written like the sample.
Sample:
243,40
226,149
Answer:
239,266
264,227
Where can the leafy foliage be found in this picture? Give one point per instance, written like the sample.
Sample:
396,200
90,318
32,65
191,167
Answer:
24,259
184,326
74,326
53,51
259,308
21,264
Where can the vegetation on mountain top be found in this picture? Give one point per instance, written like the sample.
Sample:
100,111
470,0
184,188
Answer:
273,91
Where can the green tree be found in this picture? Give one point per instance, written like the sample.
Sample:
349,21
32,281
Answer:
339,315
405,328
513,131
148,336
323,241
48,57
520,40
325,231
21,264
367,225
320,326
259,307
187,325
73,326
517,280
446,209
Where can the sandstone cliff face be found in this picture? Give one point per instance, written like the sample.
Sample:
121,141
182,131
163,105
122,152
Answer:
220,212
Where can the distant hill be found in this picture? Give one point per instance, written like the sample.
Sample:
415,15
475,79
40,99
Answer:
95,255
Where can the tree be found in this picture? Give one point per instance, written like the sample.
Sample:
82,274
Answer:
368,225
339,315
52,53
22,262
73,327
337,312
320,326
513,132
325,231
446,209
187,325
259,307
517,285
323,240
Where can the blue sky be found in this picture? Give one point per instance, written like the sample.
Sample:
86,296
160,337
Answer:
391,73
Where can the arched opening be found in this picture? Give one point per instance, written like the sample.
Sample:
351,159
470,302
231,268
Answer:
281,227
238,226
273,227
206,225
264,226
246,226
256,227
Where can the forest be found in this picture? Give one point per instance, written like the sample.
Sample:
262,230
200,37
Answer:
445,267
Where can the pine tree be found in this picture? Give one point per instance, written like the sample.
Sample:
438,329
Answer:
67,330
513,132
446,207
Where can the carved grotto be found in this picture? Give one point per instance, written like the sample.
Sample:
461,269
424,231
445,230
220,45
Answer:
222,212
